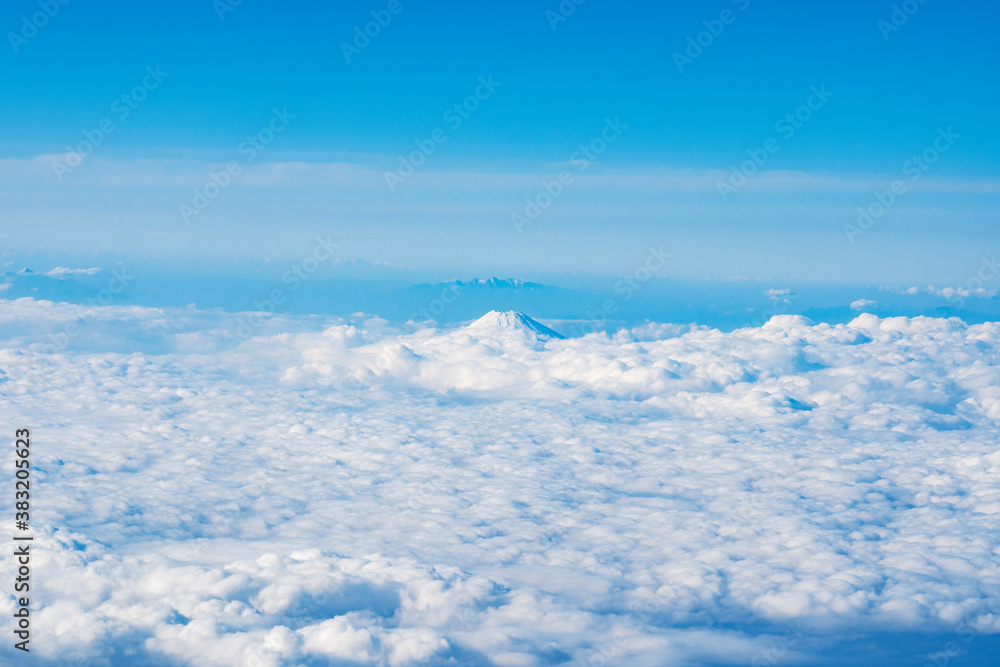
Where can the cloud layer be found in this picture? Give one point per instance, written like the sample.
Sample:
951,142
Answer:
355,494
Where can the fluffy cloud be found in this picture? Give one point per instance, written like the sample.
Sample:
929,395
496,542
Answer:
953,293
342,492
60,271
862,304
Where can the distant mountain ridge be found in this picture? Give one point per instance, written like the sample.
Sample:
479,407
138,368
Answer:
461,300
492,283
590,304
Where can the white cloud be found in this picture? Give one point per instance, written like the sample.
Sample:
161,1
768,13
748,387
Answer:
862,304
333,491
783,295
953,293
369,171
63,271
947,293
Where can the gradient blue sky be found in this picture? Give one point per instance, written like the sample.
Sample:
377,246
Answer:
656,184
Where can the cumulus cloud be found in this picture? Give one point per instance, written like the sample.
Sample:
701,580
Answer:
953,293
342,492
779,295
947,293
60,271
862,304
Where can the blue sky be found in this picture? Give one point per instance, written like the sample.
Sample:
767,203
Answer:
890,93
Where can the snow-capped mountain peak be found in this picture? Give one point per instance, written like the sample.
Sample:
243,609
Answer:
501,283
513,320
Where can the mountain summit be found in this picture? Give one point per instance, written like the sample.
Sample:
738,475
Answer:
500,283
512,319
